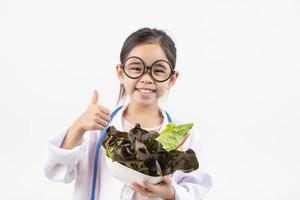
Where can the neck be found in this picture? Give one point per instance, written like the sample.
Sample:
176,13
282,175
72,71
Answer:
134,109
146,116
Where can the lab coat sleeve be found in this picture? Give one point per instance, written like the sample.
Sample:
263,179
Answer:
196,184
61,164
193,186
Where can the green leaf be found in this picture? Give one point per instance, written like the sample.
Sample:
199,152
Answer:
172,136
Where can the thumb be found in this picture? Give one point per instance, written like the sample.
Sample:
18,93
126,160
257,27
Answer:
95,97
167,179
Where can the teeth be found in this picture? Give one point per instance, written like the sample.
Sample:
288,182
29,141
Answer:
146,91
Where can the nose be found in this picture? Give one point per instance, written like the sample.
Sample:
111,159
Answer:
146,78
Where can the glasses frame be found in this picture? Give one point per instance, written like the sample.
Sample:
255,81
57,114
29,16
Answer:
147,69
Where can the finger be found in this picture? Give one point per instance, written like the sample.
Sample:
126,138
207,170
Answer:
140,189
104,110
103,116
151,187
97,126
95,97
101,121
158,188
167,179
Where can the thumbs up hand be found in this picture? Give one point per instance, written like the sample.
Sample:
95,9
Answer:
95,117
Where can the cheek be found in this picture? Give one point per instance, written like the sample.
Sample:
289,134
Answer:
161,90
129,86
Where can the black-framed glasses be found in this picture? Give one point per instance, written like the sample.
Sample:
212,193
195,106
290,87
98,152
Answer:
134,67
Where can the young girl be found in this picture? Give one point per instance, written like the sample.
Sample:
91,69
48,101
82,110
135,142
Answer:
146,72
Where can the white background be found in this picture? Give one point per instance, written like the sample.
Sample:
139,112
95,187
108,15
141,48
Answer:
239,82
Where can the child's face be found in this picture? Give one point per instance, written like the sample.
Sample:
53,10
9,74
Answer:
144,90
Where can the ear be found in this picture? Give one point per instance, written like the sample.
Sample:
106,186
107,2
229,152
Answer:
120,73
173,79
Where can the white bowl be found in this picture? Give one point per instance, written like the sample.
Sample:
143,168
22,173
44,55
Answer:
127,175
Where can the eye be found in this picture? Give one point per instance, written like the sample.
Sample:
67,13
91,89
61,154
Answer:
161,68
159,71
136,68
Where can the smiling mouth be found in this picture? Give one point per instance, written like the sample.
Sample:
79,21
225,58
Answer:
145,90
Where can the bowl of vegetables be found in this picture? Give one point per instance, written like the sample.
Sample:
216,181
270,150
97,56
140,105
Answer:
140,155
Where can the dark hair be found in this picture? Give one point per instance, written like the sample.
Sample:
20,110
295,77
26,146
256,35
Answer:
144,36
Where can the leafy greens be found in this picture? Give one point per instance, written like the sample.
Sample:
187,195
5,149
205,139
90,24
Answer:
149,152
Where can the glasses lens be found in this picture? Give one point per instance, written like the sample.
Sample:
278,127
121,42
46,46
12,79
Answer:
161,71
134,67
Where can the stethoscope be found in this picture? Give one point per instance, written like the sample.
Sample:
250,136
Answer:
98,149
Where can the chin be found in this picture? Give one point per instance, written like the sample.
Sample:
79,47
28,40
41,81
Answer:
145,102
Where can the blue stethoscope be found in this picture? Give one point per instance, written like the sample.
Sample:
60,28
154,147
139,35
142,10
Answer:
98,148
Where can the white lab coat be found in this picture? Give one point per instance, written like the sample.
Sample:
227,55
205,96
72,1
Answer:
77,164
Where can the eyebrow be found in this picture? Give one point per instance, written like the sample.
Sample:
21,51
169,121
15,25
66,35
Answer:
160,65
135,62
